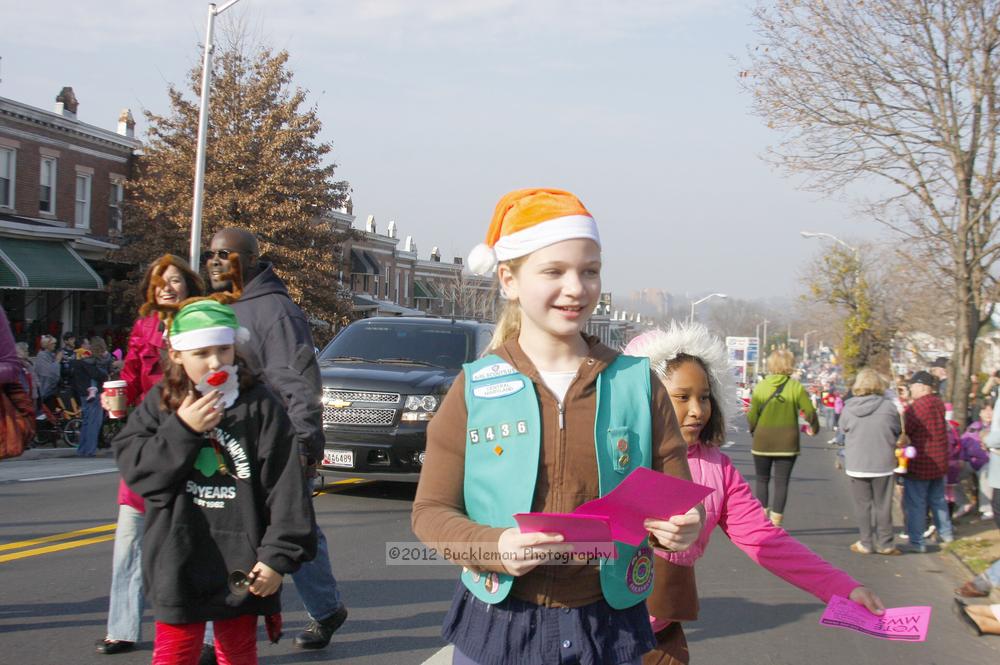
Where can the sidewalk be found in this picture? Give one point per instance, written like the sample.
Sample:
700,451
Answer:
45,452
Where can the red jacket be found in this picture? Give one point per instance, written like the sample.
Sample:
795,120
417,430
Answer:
928,432
142,370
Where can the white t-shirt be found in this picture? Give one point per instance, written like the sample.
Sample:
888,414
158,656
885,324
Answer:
558,382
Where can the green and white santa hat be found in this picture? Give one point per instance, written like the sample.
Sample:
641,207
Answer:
205,323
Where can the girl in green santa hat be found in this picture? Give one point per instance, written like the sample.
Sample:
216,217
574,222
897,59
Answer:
227,510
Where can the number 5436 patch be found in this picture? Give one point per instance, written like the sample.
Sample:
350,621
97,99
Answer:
504,430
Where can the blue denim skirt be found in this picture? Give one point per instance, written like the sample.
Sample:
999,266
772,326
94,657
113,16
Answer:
516,632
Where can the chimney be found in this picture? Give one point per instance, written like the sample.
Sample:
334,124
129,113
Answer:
435,254
458,260
66,103
370,224
409,245
126,123
391,229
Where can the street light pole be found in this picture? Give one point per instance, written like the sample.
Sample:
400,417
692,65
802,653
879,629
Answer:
805,343
199,161
698,302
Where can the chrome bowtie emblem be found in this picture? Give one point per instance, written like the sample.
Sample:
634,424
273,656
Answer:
339,404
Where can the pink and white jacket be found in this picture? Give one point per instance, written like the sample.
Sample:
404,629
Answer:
741,517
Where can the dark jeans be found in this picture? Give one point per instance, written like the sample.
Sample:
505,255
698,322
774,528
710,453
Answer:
782,471
995,502
873,508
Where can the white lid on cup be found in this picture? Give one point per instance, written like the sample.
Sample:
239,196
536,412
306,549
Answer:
117,383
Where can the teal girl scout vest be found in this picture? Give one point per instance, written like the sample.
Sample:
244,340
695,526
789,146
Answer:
502,444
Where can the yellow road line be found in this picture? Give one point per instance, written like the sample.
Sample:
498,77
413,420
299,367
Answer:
58,536
327,489
55,548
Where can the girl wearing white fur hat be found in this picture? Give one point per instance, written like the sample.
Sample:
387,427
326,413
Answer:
693,367
550,419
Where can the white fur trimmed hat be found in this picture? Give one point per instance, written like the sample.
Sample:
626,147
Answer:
694,340
528,219
205,323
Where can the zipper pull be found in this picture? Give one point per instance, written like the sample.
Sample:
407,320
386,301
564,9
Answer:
562,422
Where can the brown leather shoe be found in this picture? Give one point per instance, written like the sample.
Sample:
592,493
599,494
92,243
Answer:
969,590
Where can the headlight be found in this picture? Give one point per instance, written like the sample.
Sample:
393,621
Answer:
419,407
421,403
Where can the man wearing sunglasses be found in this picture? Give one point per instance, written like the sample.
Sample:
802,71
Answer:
281,350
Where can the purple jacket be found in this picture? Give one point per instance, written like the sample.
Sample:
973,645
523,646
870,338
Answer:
973,451
10,366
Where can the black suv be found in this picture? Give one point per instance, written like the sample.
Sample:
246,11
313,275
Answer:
383,379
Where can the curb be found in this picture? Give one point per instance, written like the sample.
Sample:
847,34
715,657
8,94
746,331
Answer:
35,454
994,593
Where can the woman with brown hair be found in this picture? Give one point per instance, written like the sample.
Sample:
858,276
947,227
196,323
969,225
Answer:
167,283
774,422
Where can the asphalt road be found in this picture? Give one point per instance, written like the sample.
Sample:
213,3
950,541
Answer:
54,593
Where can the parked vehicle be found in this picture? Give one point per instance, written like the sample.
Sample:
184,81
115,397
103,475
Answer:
383,380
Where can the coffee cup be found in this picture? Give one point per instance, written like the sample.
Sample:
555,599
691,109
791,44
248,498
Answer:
114,397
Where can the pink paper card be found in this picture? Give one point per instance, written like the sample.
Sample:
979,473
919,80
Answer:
907,624
592,530
644,494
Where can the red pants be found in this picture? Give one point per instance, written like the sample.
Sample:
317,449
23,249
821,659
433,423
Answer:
180,643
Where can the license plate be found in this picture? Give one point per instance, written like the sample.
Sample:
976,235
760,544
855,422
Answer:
342,458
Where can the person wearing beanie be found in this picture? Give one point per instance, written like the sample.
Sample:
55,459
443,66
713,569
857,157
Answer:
692,364
228,513
516,433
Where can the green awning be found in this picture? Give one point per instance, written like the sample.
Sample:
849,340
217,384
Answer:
422,289
46,265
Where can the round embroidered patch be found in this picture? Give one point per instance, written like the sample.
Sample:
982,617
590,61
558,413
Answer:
639,574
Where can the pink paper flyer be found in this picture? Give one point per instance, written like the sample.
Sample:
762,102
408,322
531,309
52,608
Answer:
906,624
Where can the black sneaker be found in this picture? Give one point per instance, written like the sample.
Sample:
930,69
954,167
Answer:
111,647
317,634
207,656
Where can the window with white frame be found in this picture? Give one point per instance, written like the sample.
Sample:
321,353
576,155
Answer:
116,194
7,162
47,186
83,200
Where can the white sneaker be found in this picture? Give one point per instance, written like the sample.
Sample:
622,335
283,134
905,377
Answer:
931,530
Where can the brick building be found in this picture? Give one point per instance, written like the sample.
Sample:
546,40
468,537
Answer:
61,190
387,279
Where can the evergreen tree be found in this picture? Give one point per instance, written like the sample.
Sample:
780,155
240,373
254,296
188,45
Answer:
265,171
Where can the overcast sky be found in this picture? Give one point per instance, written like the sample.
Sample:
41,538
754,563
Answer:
438,107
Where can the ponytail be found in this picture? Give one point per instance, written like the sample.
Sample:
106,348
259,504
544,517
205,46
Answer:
508,325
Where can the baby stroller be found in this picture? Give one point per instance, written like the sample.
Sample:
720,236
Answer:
59,421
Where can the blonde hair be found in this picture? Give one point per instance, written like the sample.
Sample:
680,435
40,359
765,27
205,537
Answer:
781,361
508,324
868,382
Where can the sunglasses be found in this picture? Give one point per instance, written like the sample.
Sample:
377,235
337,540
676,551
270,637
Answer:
223,254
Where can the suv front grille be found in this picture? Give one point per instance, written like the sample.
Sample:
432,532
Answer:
351,407
348,416
330,395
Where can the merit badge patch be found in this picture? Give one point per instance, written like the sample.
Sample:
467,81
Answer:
501,389
639,574
493,371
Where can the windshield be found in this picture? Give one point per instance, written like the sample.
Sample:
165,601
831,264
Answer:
424,344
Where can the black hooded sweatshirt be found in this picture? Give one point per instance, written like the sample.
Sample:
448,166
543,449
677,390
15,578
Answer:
202,523
281,350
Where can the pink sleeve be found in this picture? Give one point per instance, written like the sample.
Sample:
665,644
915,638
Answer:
743,520
132,366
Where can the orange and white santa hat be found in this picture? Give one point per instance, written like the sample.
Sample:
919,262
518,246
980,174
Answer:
526,220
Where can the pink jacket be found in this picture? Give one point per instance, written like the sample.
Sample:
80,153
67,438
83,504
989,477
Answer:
142,370
741,517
